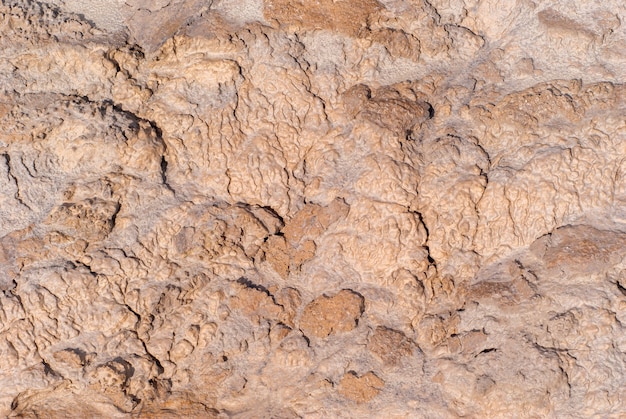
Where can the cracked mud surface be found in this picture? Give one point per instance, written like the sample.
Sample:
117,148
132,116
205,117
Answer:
248,208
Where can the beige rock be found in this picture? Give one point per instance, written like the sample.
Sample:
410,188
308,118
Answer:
272,208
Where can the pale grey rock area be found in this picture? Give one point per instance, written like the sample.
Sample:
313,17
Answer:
283,209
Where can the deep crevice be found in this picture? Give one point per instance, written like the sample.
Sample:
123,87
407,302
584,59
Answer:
164,180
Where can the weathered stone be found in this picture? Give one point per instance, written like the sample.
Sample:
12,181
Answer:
331,315
390,345
277,208
360,389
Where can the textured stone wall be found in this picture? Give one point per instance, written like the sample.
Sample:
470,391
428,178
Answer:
276,208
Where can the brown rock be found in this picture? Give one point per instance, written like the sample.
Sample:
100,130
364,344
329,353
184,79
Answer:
175,406
360,389
256,303
345,16
330,315
290,300
386,107
75,358
389,345
303,253
288,252
91,219
276,253
311,221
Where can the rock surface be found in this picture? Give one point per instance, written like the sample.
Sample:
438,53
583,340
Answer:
271,208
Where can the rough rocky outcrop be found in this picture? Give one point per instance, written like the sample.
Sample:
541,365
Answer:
272,208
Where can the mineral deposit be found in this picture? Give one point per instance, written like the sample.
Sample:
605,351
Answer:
329,208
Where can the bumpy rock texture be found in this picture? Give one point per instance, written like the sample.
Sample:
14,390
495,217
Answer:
276,208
